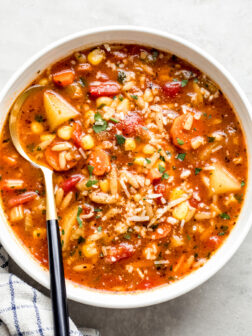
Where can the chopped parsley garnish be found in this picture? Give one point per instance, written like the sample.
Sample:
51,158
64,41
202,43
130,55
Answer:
165,176
148,160
221,233
63,232
161,169
154,54
30,147
101,106
90,183
180,142
121,77
82,82
99,229
81,240
97,210
100,124
195,80
197,171
127,236
239,197
181,156
114,120
79,220
242,183
210,139
120,139
39,118
134,97
90,169
120,98
224,215
184,82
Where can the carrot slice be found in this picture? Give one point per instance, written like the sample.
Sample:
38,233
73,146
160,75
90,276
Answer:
99,159
181,136
64,77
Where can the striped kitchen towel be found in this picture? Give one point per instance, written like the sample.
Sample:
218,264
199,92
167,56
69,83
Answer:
24,311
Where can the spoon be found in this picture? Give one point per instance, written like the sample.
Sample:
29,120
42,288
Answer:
57,280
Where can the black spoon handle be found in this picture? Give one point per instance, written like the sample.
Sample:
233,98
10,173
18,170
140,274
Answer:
58,288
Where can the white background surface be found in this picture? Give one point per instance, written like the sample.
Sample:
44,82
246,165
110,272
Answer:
223,305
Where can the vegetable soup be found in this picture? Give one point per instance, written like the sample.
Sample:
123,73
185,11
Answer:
150,166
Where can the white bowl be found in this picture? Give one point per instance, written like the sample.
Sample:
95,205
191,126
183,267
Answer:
185,50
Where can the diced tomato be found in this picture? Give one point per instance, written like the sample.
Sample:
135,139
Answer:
71,182
161,188
154,175
182,137
99,159
12,184
193,202
171,89
84,68
119,252
99,89
213,242
131,125
163,230
64,77
21,199
77,134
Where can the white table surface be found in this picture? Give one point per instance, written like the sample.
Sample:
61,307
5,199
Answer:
223,305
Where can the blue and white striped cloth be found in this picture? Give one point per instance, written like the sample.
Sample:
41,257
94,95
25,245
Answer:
24,311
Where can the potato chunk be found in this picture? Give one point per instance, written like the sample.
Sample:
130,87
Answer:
57,109
221,181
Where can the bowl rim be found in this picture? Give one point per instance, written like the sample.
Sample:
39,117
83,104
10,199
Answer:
157,295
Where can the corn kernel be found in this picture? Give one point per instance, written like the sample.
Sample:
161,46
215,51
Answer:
148,149
181,210
140,161
16,213
65,132
96,56
37,127
123,106
39,233
130,144
47,137
87,142
89,250
104,101
104,185
176,193
137,197
43,81
160,163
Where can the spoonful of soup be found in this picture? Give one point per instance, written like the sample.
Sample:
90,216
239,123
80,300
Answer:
49,155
